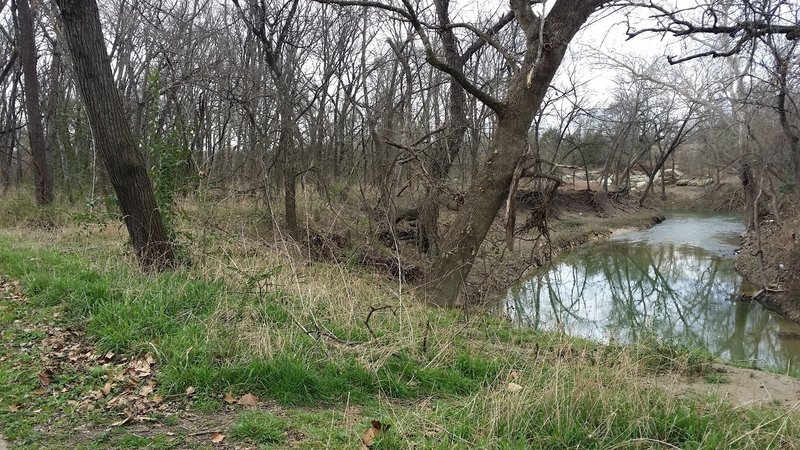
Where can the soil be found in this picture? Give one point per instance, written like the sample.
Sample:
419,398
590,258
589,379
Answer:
740,387
770,260
726,196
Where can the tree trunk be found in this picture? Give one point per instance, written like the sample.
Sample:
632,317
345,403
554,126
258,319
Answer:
51,116
113,138
525,94
680,136
27,53
9,139
790,129
446,151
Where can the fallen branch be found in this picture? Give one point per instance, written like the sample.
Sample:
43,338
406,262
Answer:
373,310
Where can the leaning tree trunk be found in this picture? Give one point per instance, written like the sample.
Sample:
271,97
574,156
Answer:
27,53
515,115
113,138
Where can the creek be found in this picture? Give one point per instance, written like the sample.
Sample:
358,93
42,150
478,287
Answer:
675,281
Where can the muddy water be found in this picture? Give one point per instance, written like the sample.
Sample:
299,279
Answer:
675,280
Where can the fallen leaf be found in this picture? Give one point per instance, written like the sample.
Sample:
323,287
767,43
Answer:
513,375
190,390
146,390
217,437
248,400
368,438
44,377
106,389
513,387
109,355
229,398
14,408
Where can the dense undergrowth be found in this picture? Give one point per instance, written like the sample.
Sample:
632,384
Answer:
327,347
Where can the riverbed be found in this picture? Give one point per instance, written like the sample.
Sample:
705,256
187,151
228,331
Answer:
674,281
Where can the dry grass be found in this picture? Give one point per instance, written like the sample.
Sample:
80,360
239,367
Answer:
255,313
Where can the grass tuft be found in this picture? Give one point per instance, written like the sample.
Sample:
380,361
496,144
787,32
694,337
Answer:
258,427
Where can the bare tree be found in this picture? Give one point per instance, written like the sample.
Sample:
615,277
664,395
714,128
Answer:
28,57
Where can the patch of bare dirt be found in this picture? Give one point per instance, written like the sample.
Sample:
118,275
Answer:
570,201
740,387
723,197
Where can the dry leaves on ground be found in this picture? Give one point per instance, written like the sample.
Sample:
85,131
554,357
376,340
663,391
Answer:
369,436
248,400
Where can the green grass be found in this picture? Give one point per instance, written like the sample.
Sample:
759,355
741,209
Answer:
258,427
298,341
129,313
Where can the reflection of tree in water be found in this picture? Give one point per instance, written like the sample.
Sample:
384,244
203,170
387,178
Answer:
677,292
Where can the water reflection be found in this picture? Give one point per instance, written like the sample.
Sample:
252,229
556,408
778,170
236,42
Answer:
675,280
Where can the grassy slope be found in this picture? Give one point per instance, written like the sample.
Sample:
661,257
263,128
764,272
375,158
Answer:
250,317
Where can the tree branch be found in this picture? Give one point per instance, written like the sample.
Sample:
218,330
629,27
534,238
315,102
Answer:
430,54
488,39
491,31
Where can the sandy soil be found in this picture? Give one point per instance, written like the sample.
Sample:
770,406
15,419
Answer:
740,387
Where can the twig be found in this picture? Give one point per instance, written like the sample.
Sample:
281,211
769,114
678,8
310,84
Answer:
373,310
200,433
425,337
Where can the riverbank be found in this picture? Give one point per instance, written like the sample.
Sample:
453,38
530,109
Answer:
255,344
770,260
575,218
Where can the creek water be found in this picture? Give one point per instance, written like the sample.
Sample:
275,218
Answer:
675,280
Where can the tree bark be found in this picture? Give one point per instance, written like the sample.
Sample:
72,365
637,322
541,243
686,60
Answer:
39,151
113,138
789,128
446,151
546,45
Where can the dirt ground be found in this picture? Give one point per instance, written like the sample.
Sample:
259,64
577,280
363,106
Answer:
770,260
741,387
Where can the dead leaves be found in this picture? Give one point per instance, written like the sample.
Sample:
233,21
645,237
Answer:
229,398
248,400
44,377
11,290
369,436
217,437
513,387
132,389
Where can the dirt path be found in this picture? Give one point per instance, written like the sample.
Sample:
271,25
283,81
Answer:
3,444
